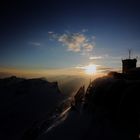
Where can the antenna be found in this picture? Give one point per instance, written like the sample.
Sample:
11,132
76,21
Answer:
129,51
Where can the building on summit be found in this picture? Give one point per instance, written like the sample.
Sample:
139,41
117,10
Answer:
129,64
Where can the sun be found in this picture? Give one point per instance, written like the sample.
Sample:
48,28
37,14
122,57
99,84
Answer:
90,69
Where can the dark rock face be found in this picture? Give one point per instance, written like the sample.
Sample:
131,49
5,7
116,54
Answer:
23,102
109,109
116,100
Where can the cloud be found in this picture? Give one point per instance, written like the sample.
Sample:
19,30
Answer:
75,42
106,56
72,41
84,30
95,57
88,47
105,69
52,35
50,32
85,66
37,44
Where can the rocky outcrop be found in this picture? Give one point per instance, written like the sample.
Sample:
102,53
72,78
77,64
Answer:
116,99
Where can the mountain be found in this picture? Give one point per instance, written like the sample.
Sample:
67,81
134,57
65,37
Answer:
70,84
114,101
109,109
35,109
24,102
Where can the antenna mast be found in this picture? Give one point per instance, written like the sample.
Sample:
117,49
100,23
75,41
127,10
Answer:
129,51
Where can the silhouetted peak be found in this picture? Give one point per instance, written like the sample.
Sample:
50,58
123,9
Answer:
79,96
117,100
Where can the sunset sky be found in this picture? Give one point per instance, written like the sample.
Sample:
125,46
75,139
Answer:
64,36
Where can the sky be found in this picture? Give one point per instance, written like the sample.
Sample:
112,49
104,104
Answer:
64,36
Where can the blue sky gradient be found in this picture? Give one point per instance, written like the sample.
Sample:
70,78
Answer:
111,27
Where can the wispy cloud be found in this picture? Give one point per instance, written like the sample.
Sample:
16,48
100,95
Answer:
100,57
106,56
50,32
75,42
95,57
104,69
88,47
37,44
84,30
85,66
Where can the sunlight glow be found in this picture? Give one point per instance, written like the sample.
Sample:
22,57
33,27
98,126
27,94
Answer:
90,69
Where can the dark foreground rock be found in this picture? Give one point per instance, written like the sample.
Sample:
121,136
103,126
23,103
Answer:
24,102
115,104
108,109
111,110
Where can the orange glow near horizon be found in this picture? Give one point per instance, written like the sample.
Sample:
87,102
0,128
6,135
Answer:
88,70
